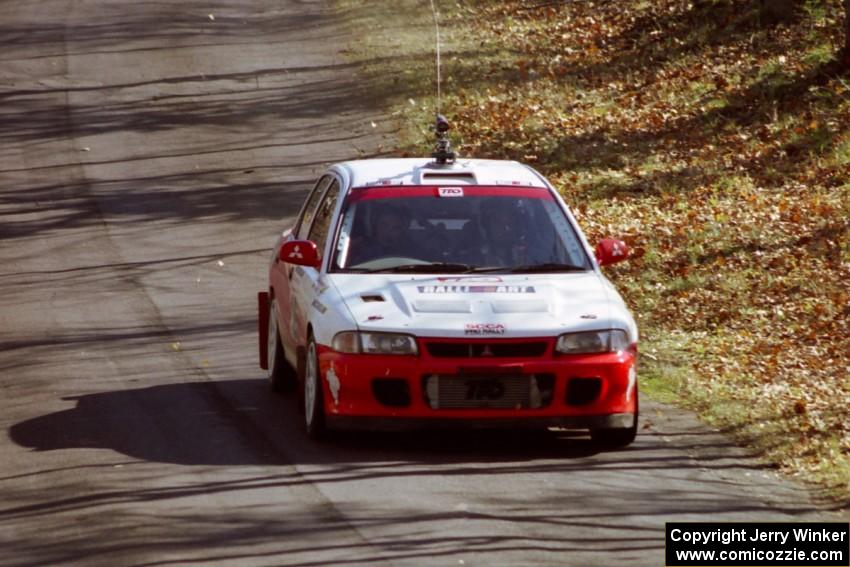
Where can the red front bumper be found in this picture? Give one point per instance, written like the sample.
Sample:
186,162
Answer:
349,385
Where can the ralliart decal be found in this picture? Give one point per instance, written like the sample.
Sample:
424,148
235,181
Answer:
476,289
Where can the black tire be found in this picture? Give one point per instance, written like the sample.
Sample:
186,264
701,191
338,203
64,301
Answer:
614,438
617,438
314,405
281,375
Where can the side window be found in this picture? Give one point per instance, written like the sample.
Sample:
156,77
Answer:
324,215
310,208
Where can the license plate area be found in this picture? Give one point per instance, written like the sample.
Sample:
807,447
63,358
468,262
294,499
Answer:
481,391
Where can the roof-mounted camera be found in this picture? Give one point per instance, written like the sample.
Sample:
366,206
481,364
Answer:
443,153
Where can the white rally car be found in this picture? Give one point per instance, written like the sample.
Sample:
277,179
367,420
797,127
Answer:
417,293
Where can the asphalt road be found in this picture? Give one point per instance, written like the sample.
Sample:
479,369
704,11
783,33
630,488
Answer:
150,152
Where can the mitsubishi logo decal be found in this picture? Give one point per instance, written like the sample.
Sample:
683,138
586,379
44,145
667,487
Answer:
296,253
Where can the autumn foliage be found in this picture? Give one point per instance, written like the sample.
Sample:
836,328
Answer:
719,148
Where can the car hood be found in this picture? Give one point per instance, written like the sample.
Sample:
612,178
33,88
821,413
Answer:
483,306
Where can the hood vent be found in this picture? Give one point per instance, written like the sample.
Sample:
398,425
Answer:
442,306
457,177
372,298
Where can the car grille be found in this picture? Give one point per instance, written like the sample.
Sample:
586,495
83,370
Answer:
532,391
484,349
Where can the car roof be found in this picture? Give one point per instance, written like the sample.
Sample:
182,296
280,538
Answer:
424,171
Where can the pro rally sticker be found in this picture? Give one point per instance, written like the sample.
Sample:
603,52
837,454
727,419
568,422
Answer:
484,329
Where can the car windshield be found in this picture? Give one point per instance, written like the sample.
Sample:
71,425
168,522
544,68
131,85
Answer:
456,230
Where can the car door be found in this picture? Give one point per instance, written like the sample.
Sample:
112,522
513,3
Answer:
281,272
306,282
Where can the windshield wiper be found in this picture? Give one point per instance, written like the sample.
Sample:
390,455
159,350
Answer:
430,267
527,269
547,267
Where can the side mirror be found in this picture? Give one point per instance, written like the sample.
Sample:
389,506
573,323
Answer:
301,253
610,251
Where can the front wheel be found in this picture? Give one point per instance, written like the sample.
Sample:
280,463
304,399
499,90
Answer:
617,438
614,438
314,407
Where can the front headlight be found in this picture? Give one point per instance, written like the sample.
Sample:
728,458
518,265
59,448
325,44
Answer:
354,342
612,340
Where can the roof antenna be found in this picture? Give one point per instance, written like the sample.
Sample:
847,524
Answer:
442,153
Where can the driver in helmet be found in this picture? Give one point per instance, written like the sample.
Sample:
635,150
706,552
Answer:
389,236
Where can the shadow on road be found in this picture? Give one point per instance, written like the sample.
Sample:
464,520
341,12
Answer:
113,420
194,416
192,424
